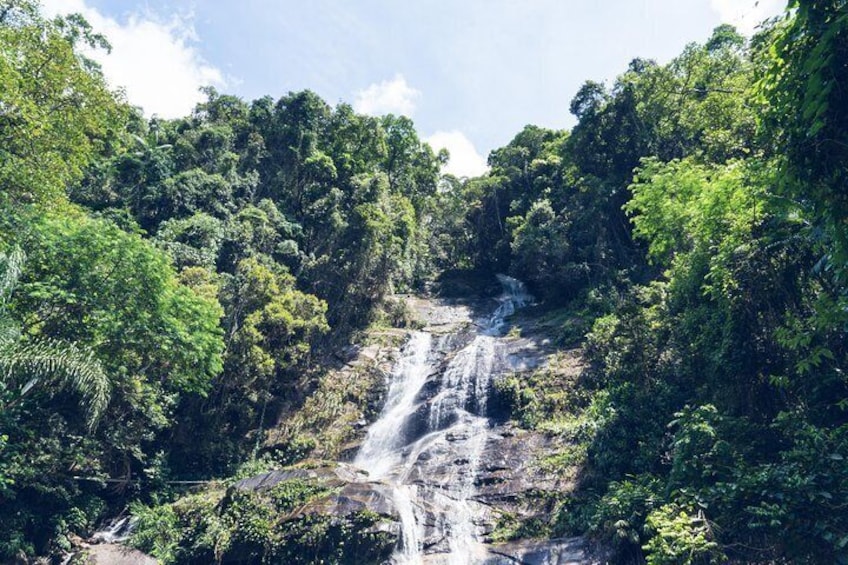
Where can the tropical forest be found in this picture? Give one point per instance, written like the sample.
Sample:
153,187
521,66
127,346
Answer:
276,331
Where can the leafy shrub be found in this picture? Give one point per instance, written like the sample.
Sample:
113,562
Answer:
267,526
681,538
621,513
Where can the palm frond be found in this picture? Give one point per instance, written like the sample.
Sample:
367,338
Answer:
65,365
10,332
23,364
11,264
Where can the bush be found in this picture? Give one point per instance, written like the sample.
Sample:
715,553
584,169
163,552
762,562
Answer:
681,538
621,513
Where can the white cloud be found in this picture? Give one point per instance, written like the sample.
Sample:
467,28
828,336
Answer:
388,97
747,14
155,61
465,161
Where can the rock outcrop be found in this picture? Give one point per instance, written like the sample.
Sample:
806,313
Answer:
443,476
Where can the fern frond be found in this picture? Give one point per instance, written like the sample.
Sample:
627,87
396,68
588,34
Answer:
65,365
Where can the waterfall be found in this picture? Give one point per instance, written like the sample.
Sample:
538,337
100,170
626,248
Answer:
432,471
118,530
379,452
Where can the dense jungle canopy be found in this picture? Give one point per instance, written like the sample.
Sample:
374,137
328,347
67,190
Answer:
170,288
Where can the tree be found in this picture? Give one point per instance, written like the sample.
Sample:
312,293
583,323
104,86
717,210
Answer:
56,112
806,114
44,363
116,298
271,331
541,250
272,325
410,165
90,281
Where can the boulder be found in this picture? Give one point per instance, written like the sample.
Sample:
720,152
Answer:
353,492
114,554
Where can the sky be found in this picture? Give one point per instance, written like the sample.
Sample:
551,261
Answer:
470,73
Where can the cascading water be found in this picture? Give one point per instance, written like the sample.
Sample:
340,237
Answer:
380,453
432,467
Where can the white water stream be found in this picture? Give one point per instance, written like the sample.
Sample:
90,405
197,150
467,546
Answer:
428,447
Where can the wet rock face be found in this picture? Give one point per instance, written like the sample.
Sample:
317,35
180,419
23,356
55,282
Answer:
352,491
501,466
566,551
505,478
509,468
453,465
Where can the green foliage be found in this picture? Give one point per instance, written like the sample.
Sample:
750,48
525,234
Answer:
735,349
57,111
224,246
192,242
805,115
271,329
681,205
691,225
24,363
92,282
509,526
550,210
681,538
276,323
155,530
621,513
68,367
698,452
104,322
267,526
553,400
540,245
